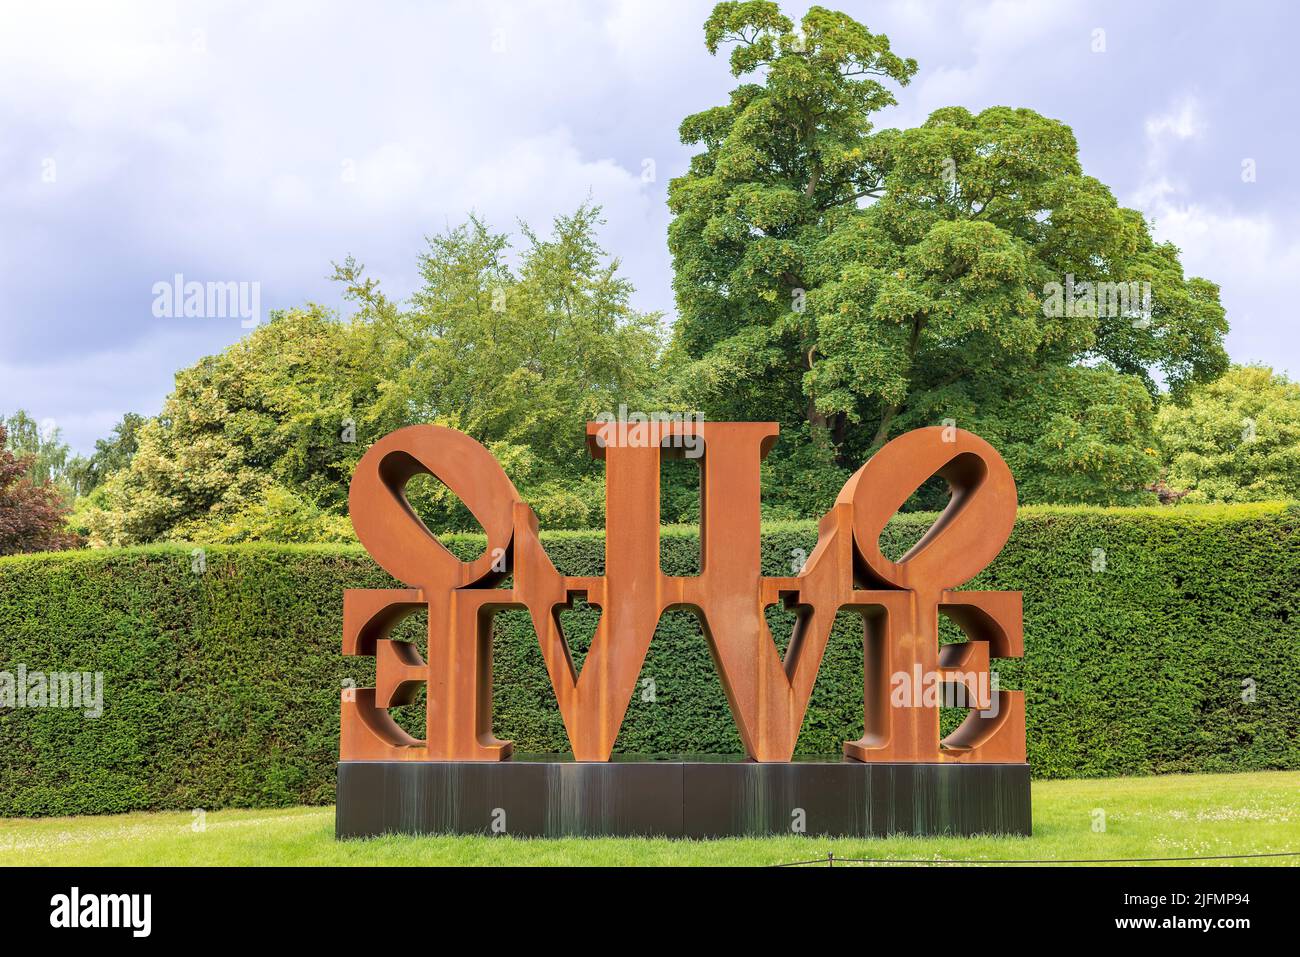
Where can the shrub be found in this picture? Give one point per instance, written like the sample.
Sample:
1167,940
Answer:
222,687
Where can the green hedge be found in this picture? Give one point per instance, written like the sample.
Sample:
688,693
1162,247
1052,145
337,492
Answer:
222,688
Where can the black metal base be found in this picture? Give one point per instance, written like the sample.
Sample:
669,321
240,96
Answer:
551,796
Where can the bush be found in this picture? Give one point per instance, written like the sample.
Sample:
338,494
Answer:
222,687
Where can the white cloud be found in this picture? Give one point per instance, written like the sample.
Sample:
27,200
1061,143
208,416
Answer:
1184,121
1252,256
972,49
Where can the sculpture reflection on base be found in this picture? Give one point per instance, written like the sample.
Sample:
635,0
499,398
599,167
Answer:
701,796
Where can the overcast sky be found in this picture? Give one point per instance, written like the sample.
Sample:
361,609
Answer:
256,142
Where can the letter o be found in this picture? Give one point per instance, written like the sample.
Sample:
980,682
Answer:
393,533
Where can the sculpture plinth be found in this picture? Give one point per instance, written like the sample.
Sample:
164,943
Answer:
696,796
391,781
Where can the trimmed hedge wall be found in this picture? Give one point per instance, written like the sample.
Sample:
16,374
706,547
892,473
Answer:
221,688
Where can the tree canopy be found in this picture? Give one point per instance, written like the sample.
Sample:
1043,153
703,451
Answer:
49,458
1236,439
860,283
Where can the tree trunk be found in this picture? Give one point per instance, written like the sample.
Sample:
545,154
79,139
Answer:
886,418
815,418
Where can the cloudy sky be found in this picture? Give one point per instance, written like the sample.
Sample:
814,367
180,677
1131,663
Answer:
256,142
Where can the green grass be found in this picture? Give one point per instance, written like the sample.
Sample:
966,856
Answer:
1170,816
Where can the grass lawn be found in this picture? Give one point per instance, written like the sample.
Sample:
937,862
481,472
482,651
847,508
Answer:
1171,816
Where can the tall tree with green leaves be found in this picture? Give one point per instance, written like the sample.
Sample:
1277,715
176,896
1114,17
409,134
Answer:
519,358
49,456
1234,440
111,455
854,284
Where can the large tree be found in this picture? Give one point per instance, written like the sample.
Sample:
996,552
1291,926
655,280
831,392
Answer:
1234,440
855,283
519,358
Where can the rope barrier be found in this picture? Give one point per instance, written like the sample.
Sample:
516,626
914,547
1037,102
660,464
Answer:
830,860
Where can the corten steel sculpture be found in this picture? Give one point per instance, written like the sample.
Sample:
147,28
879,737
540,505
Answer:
900,602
